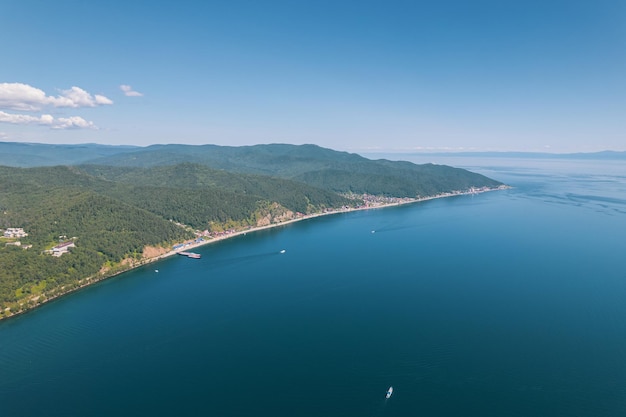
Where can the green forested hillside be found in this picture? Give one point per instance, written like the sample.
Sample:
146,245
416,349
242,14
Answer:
105,231
113,213
296,196
394,181
310,164
126,199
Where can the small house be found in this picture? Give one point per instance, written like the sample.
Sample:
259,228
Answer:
62,248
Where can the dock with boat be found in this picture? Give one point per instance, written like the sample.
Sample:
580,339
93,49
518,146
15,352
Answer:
192,255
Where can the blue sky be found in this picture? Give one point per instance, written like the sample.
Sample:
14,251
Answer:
349,75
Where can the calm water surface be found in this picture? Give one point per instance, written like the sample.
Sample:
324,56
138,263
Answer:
509,303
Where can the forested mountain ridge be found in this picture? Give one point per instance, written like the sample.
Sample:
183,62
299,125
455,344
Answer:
113,217
328,169
114,202
188,190
296,196
320,167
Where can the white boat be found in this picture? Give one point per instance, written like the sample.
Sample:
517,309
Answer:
389,392
282,251
190,255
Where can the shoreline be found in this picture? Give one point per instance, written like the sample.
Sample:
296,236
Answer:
88,281
193,245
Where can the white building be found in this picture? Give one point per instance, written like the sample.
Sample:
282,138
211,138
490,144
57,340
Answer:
62,248
15,232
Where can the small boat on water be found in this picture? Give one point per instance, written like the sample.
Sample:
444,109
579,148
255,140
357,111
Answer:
282,251
389,392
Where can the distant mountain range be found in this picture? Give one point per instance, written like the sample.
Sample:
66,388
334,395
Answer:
25,155
309,164
607,155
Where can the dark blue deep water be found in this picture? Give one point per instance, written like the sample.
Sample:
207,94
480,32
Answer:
509,303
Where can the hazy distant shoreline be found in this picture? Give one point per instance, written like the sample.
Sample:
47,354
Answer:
600,155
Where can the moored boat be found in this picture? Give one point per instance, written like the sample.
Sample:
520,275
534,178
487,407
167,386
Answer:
190,255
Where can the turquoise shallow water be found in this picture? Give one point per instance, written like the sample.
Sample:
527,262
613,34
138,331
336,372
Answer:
509,303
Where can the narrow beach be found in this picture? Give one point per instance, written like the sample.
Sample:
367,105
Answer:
193,244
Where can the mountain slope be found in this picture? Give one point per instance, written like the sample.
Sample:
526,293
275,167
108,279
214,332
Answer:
316,166
114,213
309,164
127,199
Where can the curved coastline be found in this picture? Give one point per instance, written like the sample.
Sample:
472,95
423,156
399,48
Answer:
88,281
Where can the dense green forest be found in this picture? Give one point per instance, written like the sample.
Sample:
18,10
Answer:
319,167
105,230
113,213
295,196
113,202
341,172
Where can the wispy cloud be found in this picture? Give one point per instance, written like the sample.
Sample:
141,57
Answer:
23,97
73,122
129,92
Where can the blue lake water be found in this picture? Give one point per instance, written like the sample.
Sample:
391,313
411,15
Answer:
508,303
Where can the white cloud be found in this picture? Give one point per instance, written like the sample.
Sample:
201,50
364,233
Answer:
129,92
73,122
18,96
77,97
19,119
102,99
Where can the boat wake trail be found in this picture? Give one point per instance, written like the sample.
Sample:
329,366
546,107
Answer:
242,259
